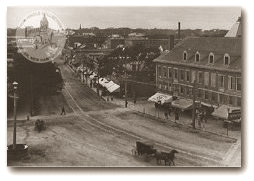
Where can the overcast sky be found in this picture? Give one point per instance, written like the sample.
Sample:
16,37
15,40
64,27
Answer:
135,17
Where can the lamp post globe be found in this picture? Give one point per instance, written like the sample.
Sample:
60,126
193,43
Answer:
15,85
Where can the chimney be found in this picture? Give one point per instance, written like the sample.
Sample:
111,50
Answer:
171,41
179,30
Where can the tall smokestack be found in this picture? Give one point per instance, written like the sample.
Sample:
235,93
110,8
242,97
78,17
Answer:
179,30
171,41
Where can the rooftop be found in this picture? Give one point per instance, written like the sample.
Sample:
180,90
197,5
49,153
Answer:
206,45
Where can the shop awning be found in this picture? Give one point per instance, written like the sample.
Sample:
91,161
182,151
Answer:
109,85
113,88
160,98
223,110
182,103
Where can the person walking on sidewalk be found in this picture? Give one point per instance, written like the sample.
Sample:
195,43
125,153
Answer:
63,111
177,115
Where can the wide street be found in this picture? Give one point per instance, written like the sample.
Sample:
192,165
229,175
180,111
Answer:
99,133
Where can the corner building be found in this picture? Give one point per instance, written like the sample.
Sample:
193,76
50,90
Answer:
213,63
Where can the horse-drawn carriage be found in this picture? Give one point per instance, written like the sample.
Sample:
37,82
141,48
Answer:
147,150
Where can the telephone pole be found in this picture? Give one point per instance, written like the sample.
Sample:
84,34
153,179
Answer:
194,104
125,88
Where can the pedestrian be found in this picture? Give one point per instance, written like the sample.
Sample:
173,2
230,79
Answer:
199,120
176,115
63,111
126,103
169,111
205,117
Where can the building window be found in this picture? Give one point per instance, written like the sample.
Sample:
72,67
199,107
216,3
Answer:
181,75
211,58
176,74
185,55
206,78
193,76
165,72
199,93
231,82
222,99
181,89
221,81
169,72
213,79
159,71
239,101
187,91
206,95
200,77
169,87
238,83
187,75
226,59
231,100
214,97
197,57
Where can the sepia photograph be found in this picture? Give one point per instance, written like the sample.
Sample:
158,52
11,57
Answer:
118,86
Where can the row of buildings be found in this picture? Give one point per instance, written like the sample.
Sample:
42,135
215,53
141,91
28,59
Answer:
207,68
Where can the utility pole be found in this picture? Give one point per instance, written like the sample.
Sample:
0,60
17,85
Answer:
15,86
194,104
125,88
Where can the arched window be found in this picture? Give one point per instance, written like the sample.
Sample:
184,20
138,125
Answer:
211,58
197,57
226,59
185,55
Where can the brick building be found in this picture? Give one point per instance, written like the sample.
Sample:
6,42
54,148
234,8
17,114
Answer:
214,64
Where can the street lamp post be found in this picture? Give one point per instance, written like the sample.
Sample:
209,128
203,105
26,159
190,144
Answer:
15,87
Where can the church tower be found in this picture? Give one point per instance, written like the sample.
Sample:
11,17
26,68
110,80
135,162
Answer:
44,23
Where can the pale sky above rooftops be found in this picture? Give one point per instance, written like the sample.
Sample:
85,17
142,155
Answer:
135,17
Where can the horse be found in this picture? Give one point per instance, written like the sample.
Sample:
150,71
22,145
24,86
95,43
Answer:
167,157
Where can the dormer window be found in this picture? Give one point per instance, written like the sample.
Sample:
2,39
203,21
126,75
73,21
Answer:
226,59
197,57
184,55
211,58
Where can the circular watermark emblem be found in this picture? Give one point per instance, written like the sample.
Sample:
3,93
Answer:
40,36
